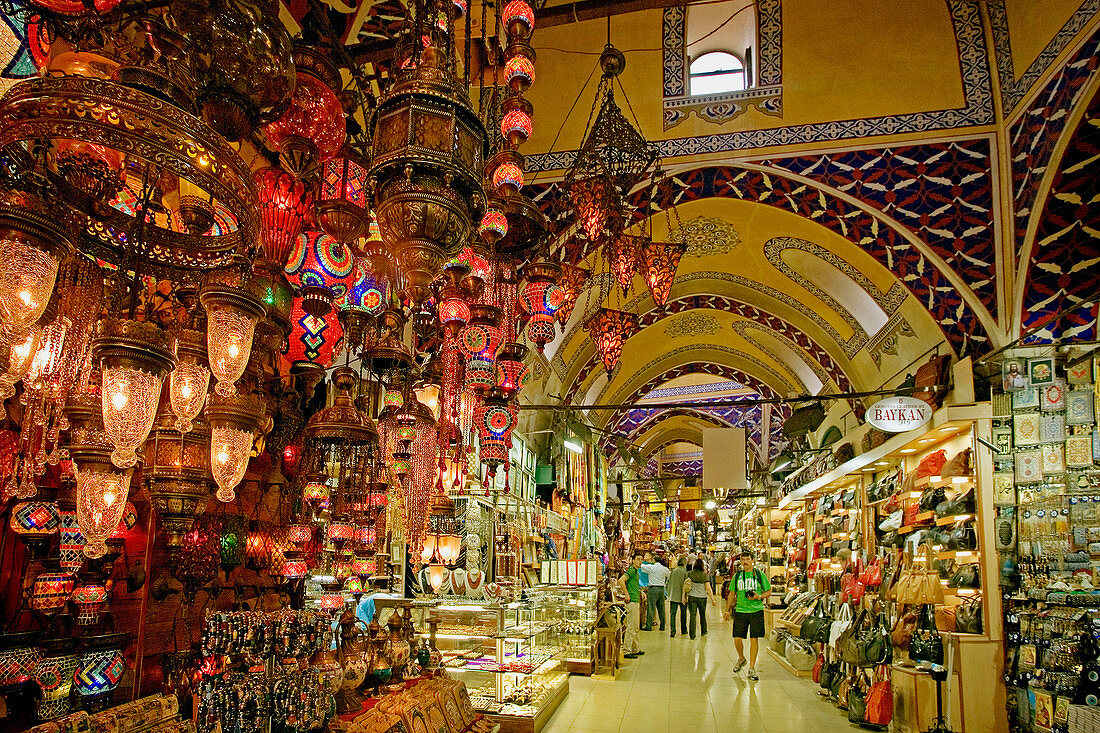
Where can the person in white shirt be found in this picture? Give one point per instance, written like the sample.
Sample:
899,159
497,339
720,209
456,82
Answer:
658,574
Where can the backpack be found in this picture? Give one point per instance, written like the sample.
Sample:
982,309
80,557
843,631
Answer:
687,586
756,574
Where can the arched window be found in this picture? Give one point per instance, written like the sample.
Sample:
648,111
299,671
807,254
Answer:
715,73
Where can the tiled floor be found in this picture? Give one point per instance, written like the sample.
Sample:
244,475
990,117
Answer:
686,686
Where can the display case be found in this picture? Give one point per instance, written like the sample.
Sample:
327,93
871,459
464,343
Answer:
509,656
572,612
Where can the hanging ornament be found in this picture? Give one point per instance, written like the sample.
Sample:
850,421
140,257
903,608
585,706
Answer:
494,224
622,252
495,419
342,196
480,341
232,315
519,73
190,380
311,130
516,126
285,204
321,267
234,421
541,298
134,359
609,330
512,373
658,262
571,283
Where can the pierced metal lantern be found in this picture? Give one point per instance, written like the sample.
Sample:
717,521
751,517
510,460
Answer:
657,262
609,330
342,196
177,474
234,421
429,151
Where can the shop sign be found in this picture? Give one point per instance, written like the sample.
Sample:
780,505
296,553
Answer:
899,414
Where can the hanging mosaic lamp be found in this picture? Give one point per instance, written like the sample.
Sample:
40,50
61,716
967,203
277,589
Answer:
596,203
494,223
480,341
18,665
495,419
342,196
366,298
609,330
285,204
516,126
571,283
71,548
231,314
658,262
519,73
512,373
313,341
541,297
134,358
100,502
519,18
50,592
234,422
89,599
33,245
315,490
311,130
197,560
321,267
189,382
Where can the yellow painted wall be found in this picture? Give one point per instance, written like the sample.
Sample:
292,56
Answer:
1031,26
842,60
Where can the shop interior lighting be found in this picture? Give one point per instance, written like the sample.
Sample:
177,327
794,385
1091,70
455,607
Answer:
574,445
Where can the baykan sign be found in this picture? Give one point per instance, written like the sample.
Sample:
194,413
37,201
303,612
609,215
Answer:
899,414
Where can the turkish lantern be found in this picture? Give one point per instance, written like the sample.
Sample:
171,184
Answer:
541,297
285,204
495,419
480,341
313,339
322,268
311,130
342,196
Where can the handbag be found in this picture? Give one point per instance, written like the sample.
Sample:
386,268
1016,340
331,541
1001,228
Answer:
892,522
967,576
946,617
923,584
841,624
847,644
829,670
930,465
962,538
811,627
871,577
930,381
903,630
909,517
931,498
959,465
857,704
968,617
926,645
842,692
875,646
818,665
800,655
892,504
880,703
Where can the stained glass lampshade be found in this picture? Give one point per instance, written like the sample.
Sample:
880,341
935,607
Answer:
480,341
519,19
342,196
50,592
99,672
311,130
495,420
623,252
508,179
571,283
658,262
233,425
285,203
35,521
232,315
18,665
494,225
54,676
190,380
596,203
89,598
100,502
541,298
609,330
516,126
519,73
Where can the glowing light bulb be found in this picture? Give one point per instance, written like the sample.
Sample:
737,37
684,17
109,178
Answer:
109,498
119,400
234,350
186,391
223,457
27,298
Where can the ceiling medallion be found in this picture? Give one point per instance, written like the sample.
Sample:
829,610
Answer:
692,324
705,236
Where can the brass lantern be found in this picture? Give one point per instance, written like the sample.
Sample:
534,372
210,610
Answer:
429,149
32,246
234,420
177,474
231,317
134,358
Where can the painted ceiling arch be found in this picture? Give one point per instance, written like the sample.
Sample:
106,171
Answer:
922,270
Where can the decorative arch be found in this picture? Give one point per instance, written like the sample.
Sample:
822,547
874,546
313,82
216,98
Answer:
748,329
1064,269
920,268
819,356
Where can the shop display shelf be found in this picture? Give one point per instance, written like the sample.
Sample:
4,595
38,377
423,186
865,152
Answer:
787,665
952,518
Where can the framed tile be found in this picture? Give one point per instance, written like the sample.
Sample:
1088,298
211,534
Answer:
1079,406
1014,375
1052,398
1025,399
1052,428
1029,466
1079,451
1002,404
1040,372
1025,429
1002,438
1054,458
1004,488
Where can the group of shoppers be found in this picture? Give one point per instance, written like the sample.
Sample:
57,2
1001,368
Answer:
688,582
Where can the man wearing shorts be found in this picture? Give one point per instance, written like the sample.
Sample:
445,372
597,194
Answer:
748,589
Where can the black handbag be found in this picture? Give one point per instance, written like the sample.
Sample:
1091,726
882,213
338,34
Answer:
931,498
926,644
812,624
967,576
829,670
962,538
857,703
875,645
968,617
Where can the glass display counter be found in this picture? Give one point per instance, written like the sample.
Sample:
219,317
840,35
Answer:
571,611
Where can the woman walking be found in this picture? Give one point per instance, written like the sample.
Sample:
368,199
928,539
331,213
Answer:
700,591
677,601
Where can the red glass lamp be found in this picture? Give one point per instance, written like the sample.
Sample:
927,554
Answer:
342,196
89,598
311,130
285,204
658,262
609,330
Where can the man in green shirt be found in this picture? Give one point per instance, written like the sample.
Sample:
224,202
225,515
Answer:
628,584
748,589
